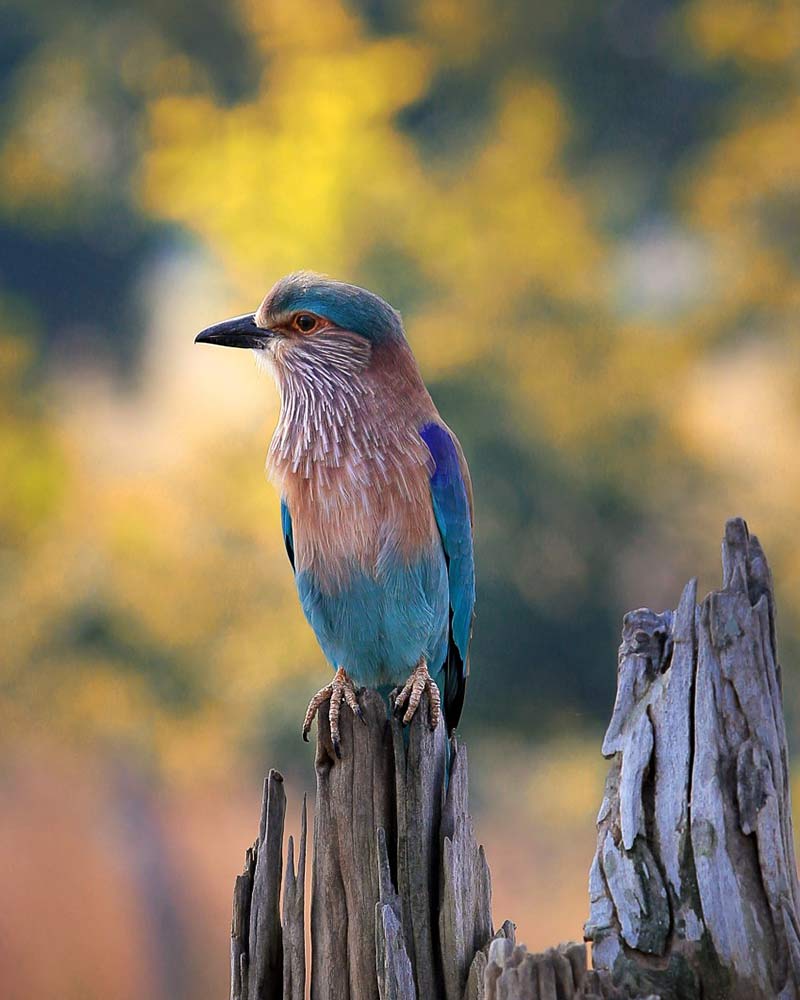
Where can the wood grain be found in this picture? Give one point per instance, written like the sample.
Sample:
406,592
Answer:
693,887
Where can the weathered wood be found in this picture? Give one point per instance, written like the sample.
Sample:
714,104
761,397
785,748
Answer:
294,927
385,816
256,937
478,981
465,914
240,925
694,888
513,973
694,892
395,974
354,799
265,948
419,761
396,977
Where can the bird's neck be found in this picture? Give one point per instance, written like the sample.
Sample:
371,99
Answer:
335,428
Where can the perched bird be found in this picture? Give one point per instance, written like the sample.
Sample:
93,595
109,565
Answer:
376,499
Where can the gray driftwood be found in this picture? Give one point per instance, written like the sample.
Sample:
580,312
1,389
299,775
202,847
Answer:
256,934
694,893
514,973
401,892
294,920
694,888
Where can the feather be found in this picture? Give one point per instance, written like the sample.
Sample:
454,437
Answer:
378,627
288,532
450,494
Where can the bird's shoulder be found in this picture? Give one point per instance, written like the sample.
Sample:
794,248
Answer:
447,455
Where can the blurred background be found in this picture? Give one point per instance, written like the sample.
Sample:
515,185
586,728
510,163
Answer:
589,215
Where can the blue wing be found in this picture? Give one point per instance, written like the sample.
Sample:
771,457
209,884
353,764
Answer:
450,493
288,533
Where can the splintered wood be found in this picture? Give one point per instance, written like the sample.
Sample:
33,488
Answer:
401,892
694,888
694,891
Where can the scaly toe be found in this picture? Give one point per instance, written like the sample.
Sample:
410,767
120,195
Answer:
411,695
313,707
340,689
413,701
352,701
403,695
333,715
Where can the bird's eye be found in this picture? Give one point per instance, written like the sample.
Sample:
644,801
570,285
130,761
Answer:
305,322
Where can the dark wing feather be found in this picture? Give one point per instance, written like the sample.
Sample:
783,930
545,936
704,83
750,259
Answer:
288,533
452,506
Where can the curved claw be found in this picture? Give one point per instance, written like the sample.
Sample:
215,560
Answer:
340,689
418,682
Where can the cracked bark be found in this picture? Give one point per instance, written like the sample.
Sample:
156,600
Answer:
694,887
383,819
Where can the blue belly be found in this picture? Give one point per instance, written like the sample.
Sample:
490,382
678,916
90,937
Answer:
378,626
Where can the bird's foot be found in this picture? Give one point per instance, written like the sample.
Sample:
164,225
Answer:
419,681
340,688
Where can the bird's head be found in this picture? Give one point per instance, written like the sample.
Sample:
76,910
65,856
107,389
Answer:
311,327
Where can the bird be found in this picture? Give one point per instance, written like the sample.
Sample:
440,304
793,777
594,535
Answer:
376,496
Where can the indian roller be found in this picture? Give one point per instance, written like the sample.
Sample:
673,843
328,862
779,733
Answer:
376,498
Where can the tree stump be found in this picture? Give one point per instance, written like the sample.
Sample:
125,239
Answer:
385,817
694,892
694,889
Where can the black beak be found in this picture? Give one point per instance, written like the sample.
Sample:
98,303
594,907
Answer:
241,331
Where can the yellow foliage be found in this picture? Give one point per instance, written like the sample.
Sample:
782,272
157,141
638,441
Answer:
307,174
149,535
57,141
751,31
315,173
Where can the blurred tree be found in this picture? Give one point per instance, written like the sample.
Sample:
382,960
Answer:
496,263
76,81
584,212
742,194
